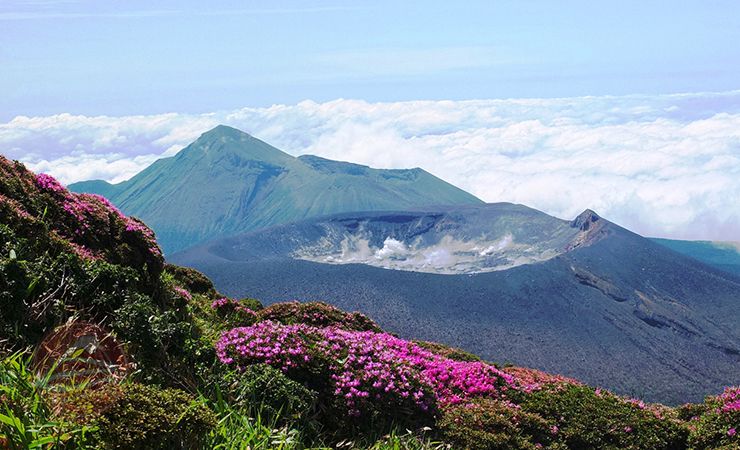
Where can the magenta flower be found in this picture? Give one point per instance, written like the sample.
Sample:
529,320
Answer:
365,367
183,293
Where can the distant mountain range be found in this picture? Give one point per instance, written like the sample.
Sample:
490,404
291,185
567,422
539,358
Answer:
722,255
227,182
585,298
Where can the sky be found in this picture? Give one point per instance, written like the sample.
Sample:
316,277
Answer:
630,108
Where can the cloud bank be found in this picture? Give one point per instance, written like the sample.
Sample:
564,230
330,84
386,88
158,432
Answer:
665,165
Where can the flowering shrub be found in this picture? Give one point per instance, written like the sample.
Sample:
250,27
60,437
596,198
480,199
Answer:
588,419
317,314
369,372
488,424
233,312
48,183
190,279
528,380
183,293
718,426
447,351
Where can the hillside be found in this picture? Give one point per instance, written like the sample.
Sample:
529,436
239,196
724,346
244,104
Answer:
227,182
585,298
722,255
131,353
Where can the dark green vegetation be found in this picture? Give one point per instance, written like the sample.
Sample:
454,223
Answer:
228,182
68,258
722,255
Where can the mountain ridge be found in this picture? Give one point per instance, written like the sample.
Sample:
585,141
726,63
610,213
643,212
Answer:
228,182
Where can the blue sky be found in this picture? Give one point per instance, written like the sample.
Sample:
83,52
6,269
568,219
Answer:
133,57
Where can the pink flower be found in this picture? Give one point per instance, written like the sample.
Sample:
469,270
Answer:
183,293
731,432
48,183
364,366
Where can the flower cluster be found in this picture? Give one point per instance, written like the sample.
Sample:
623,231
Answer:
48,183
234,311
366,368
86,213
11,206
183,293
729,400
137,227
281,346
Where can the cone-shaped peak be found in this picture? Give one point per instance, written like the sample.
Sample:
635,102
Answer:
585,219
225,141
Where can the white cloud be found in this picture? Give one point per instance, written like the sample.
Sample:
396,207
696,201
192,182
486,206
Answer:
660,165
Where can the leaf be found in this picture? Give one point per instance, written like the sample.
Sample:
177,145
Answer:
13,422
32,286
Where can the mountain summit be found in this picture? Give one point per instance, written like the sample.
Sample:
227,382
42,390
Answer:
228,182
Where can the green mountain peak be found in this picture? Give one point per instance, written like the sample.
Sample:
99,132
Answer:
228,182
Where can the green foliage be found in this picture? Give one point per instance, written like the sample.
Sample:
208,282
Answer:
447,351
26,419
588,419
191,279
145,417
489,424
713,431
318,314
251,303
279,399
719,425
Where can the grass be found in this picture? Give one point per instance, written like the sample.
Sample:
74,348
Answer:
26,419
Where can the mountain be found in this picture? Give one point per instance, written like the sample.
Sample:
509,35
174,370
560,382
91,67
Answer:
227,182
722,255
584,298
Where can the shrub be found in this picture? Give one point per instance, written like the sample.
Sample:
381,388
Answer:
191,279
251,303
447,351
373,376
233,313
317,314
719,426
488,424
528,380
267,391
145,417
588,418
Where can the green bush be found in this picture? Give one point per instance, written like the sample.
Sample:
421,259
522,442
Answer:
251,303
588,419
317,314
447,351
149,418
191,279
488,424
266,390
